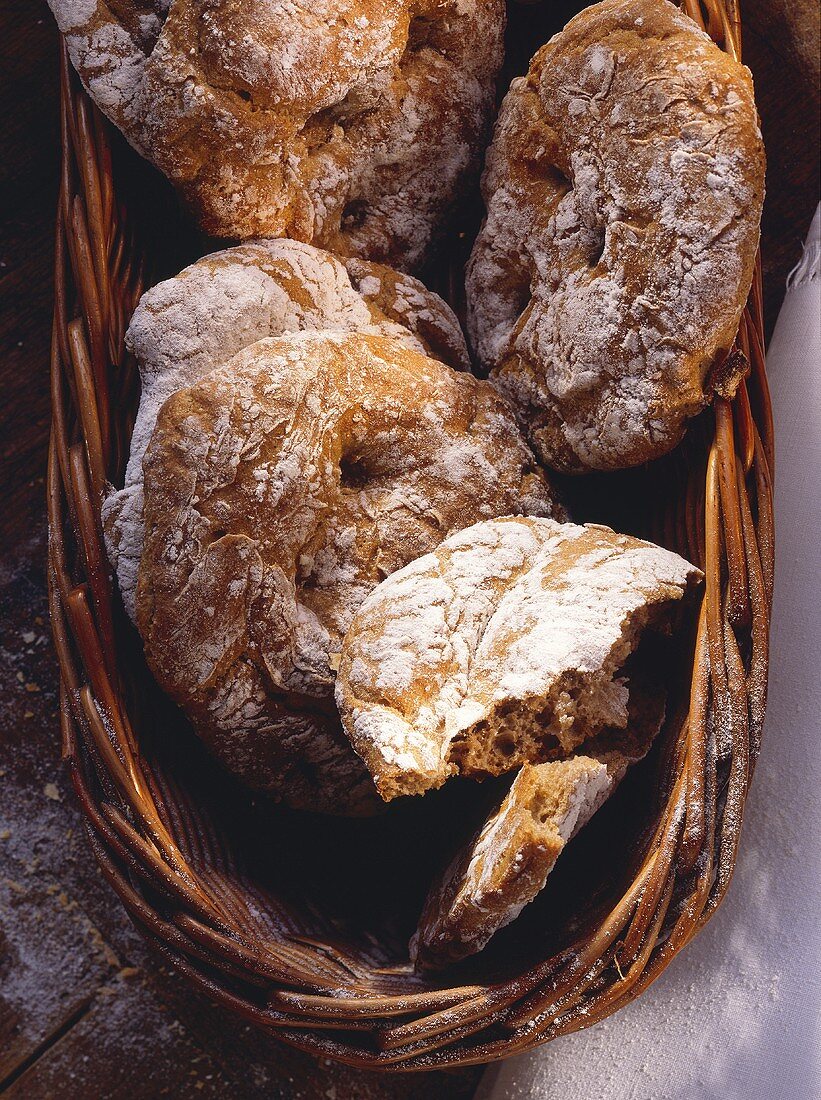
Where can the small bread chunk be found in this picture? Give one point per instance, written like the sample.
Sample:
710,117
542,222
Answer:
488,883
504,867
514,641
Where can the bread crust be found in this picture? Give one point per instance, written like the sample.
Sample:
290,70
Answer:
352,124
623,187
189,325
511,642
279,490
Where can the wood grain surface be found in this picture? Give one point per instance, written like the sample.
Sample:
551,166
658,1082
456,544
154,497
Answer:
85,1009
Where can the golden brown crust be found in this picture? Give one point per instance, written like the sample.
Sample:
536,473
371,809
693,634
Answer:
624,187
352,124
279,490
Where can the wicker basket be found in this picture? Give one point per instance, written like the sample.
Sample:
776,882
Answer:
234,894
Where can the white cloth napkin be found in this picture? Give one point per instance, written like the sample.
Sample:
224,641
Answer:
737,1015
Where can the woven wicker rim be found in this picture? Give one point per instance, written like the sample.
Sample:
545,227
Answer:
311,994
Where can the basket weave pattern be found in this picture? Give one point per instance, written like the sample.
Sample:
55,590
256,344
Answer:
178,879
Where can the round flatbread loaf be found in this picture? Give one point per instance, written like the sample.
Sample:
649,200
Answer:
279,491
514,641
352,124
624,187
187,326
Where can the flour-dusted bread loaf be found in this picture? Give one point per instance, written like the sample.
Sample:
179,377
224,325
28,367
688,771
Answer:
623,187
279,491
507,863
352,124
187,326
514,641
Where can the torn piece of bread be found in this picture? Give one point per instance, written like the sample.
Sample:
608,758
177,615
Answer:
507,863
514,641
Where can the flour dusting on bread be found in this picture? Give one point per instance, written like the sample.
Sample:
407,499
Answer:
352,124
505,866
515,640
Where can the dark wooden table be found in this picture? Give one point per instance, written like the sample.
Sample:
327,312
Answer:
85,1010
